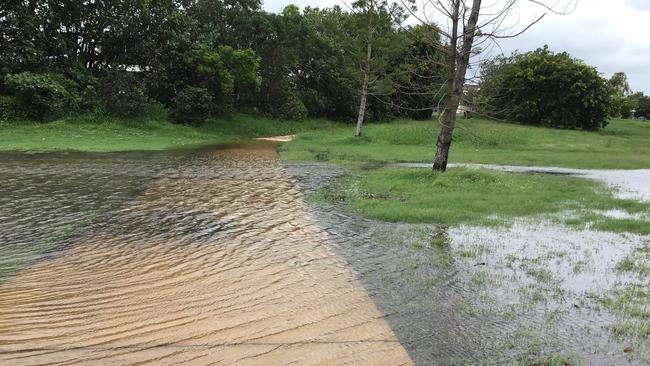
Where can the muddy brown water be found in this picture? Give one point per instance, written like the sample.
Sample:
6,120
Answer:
215,257
210,258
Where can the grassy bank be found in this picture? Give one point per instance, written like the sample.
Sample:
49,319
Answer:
480,196
463,195
623,144
153,132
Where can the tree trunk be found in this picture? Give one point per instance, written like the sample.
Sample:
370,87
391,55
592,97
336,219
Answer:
448,123
362,104
366,75
458,62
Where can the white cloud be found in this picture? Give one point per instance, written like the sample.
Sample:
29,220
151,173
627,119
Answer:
643,5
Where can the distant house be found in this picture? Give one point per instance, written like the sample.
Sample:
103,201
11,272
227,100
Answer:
465,110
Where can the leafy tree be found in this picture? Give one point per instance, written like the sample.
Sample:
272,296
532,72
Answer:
621,104
417,71
618,81
545,88
289,65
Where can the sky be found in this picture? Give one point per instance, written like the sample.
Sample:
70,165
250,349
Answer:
611,35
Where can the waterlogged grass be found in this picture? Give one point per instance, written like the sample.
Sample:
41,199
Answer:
151,132
464,195
638,262
623,144
631,302
595,220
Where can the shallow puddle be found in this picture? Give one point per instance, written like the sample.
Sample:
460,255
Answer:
202,258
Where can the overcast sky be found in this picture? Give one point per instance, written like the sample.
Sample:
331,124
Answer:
612,35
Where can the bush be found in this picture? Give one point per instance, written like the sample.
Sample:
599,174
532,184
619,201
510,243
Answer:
545,88
192,105
292,108
88,89
10,109
124,94
43,96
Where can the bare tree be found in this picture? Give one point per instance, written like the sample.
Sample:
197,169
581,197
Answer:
471,24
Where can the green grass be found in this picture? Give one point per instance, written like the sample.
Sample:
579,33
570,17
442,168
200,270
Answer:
464,195
623,144
631,305
152,132
638,262
611,224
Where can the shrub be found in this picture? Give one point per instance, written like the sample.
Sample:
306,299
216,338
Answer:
124,94
10,109
192,105
43,96
292,108
88,89
545,88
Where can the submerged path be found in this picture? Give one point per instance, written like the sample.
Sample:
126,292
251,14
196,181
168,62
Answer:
215,260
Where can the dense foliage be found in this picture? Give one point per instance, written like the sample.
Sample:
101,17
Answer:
642,107
124,94
43,96
545,88
66,56
636,105
192,105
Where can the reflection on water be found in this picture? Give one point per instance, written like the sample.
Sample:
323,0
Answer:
207,258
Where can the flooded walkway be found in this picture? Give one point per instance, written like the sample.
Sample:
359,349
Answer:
206,258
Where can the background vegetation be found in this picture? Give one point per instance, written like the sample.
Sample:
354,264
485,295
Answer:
545,88
204,57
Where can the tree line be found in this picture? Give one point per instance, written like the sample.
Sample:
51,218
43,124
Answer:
199,58
204,57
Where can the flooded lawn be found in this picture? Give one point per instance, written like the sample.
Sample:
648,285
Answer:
215,257
531,293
